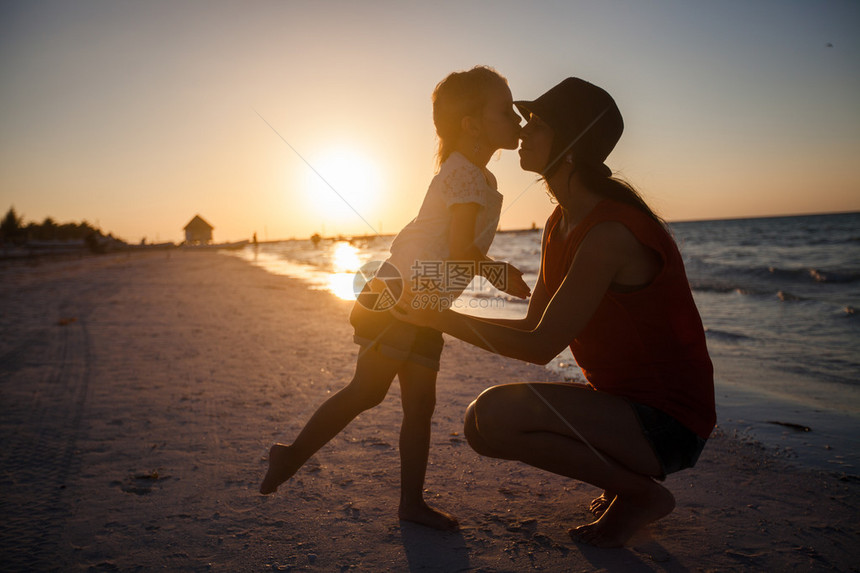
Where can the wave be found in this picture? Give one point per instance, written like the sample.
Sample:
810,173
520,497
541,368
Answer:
726,336
788,297
782,295
815,275
833,277
493,295
725,288
767,281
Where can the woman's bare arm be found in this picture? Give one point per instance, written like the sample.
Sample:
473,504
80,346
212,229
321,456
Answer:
603,252
537,305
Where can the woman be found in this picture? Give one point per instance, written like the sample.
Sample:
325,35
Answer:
612,286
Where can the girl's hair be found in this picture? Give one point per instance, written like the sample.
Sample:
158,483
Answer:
461,94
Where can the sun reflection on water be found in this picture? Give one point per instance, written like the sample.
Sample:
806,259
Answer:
345,263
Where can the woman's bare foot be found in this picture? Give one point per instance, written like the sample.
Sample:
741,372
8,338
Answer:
600,504
425,515
281,468
624,516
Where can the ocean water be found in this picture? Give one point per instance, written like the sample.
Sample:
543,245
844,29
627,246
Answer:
778,297
780,289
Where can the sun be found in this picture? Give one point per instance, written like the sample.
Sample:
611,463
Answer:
341,189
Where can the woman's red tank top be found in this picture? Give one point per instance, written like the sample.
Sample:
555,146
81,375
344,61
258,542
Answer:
647,345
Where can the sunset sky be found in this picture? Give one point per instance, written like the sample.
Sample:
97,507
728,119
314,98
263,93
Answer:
138,115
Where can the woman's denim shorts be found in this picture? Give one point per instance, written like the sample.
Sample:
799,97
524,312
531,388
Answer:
676,446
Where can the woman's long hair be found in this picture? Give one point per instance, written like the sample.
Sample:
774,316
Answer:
617,189
599,179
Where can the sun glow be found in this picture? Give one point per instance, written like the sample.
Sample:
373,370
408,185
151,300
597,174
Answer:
342,191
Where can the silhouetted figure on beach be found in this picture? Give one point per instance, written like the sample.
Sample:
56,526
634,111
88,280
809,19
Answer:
612,286
474,117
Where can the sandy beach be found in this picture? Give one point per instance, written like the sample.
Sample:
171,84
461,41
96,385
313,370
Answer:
140,394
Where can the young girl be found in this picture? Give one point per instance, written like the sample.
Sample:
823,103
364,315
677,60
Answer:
474,117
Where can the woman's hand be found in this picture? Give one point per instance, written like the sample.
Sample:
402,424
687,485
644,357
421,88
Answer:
511,283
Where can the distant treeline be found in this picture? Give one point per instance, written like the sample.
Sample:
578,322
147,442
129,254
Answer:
13,230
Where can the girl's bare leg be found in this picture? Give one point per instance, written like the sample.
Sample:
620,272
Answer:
418,393
374,373
514,422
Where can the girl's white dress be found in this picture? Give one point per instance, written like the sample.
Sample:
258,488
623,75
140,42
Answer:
420,251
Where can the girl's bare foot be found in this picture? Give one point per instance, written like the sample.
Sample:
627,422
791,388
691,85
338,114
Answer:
425,515
624,516
281,468
600,504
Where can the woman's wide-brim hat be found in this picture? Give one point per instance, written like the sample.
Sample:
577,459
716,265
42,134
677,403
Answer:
586,121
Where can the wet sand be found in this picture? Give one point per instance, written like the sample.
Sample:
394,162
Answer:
140,393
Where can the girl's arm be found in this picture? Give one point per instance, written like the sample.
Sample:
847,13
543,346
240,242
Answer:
461,245
461,233
600,256
537,303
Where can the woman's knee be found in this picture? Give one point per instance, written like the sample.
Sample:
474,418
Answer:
487,424
496,409
473,436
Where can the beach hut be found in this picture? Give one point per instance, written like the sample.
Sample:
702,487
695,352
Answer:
198,231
